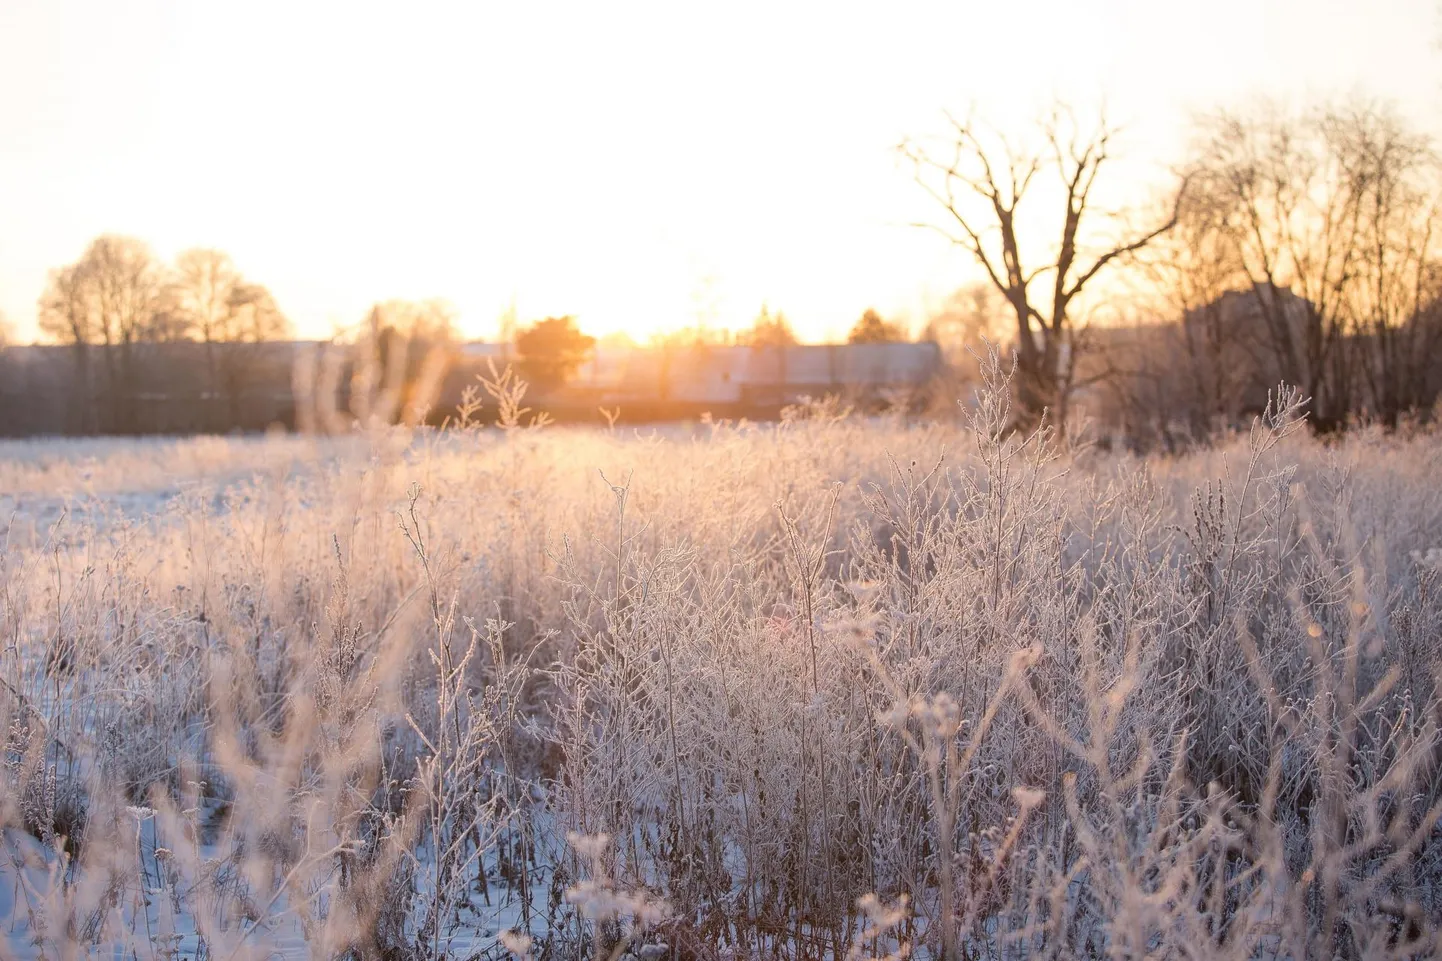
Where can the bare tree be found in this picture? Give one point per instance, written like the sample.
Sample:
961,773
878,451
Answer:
66,317
201,290
117,296
124,282
1197,286
252,322
982,182
1322,216
108,299
1394,297
214,303
254,317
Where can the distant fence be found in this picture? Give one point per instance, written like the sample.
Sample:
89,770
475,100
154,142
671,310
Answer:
183,388
145,388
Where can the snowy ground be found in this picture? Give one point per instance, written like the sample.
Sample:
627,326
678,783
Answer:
725,648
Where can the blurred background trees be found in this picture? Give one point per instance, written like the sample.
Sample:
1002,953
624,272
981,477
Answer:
970,315
1305,251
402,352
767,330
551,350
211,302
1293,246
1327,218
1289,245
872,329
982,181
109,298
118,299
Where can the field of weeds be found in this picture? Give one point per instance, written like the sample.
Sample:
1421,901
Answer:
833,687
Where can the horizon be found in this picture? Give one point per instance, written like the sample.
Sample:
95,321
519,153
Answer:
763,482
642,171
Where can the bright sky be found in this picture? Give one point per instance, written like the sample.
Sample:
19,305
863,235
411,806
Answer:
618,161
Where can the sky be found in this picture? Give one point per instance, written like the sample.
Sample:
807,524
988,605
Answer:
640,166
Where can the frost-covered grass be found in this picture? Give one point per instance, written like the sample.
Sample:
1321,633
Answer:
834,687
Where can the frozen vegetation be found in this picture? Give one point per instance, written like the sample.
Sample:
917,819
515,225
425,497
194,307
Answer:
832,688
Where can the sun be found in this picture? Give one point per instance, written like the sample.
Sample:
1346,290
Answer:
654,292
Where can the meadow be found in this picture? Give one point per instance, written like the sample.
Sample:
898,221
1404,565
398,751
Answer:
834,687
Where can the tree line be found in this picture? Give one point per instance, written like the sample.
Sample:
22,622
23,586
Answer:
119,297
1292,246
1298,247
118,300
198,332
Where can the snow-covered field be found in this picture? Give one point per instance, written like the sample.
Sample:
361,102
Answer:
828,688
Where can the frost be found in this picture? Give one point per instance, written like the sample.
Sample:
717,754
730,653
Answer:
458,693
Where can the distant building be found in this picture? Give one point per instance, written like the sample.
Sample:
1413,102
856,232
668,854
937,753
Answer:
166,388
750,377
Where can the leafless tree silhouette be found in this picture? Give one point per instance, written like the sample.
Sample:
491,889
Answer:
110,298
1327,217
982,182
214,304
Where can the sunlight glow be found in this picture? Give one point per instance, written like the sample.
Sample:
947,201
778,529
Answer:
599,160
